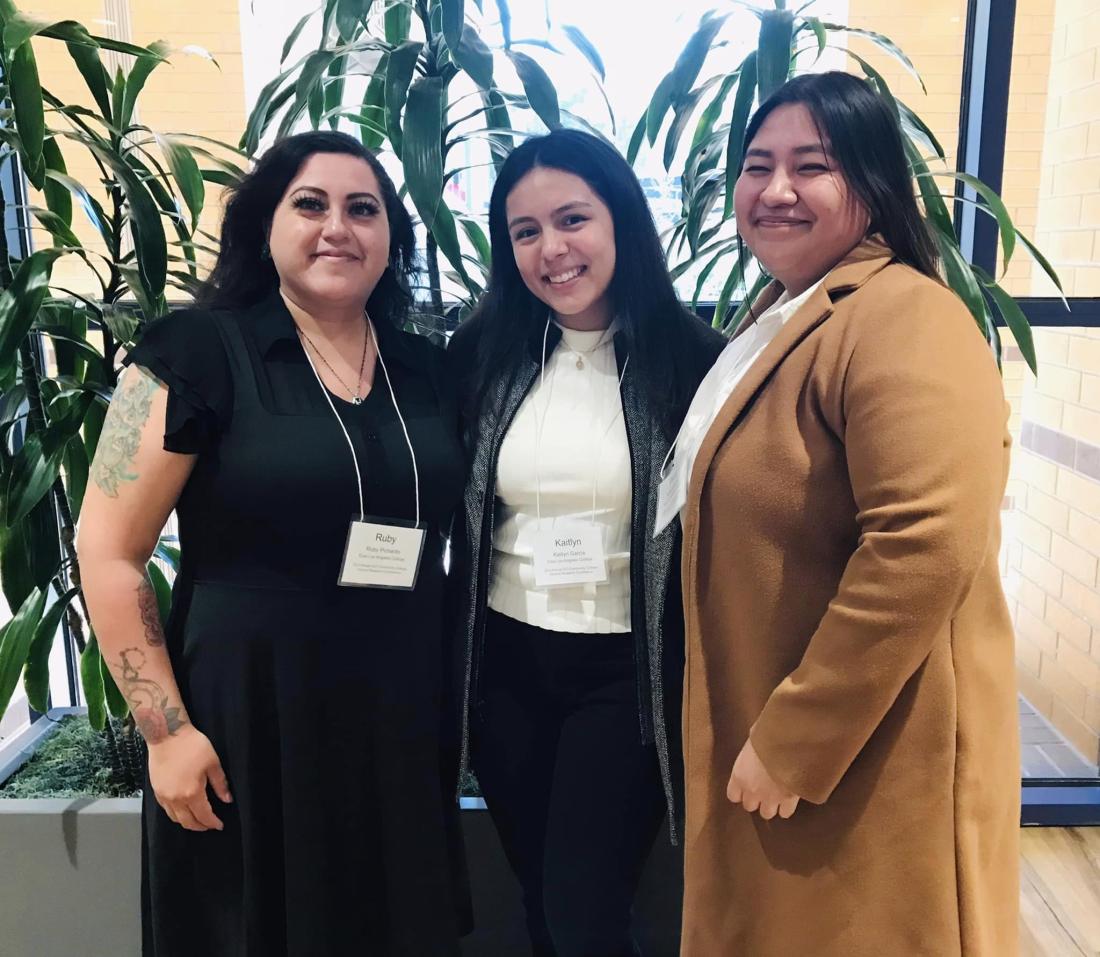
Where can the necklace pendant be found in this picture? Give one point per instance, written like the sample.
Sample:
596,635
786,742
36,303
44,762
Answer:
580,362
356,400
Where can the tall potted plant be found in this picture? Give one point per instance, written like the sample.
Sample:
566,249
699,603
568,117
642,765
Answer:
704,237
144,215
432,83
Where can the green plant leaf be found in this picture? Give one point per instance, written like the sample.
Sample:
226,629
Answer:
91,680
186,173
477,237
398,22
169,554
919,127
454,19
705,127
1015,319
34,468
682,113
636,139
739,121
292,37
374,104
818,28
95,75
704,274
935,208
995,206
20,302
446,235
399,73
422,157
15,641
960,277
26,96
30,553
722,304
162,590
334,88
271,99
36,671
505,22
58,200
351,13
76,465
307,85
773,50
658,107
473,56
150,244
88,203
742,312
1044,264
539,89
586,48
135,80
690,61
113,698
885,43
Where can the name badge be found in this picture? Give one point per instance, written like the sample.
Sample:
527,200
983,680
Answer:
671,496
382,553
571,553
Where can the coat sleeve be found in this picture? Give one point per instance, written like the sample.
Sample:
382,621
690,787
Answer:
922,419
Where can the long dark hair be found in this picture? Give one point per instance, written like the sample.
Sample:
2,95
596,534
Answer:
653,321
865,139
243,275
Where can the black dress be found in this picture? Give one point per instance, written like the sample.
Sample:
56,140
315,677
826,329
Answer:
324,703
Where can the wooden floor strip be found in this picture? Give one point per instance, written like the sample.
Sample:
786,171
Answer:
1060,892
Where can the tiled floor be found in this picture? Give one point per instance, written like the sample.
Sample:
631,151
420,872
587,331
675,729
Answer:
1045,753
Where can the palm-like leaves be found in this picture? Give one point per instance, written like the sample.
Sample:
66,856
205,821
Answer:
144,213
411,58
707,228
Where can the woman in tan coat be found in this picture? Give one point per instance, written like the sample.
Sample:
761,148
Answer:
850,734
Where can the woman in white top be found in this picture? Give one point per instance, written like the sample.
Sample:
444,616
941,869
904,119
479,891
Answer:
576,371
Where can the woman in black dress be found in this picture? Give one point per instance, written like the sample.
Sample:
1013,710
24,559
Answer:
300,797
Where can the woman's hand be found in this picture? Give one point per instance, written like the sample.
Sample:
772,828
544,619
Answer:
755,790
180,767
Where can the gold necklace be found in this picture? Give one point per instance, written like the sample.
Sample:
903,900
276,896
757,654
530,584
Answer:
356,398
579,356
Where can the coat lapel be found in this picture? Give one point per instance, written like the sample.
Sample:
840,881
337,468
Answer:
853,271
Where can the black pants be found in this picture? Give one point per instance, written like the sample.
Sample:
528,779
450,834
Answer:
575,796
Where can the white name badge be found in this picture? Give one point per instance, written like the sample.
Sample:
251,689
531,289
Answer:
382,553
569,554
671,496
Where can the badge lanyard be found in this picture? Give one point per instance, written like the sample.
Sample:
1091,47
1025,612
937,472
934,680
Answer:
380,552
572,552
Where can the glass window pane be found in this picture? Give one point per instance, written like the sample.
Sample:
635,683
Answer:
1052,154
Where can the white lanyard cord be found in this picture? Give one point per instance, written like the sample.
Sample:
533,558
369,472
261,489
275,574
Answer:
347,437
400,418
540,424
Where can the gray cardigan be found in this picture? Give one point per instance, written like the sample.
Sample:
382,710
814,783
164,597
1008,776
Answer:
655,603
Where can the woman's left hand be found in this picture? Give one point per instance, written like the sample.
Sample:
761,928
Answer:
755,790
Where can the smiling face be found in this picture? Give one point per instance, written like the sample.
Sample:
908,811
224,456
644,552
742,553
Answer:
329,235
794,207
563,241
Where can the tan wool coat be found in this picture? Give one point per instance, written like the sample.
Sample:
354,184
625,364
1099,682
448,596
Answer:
844,608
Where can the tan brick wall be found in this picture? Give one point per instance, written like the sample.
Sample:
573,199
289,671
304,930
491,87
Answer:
189,94
932,34
1052,162
1052,535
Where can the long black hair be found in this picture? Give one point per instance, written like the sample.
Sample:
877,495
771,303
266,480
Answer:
864,137
652,319
243,275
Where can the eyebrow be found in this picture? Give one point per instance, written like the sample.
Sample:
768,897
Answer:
810,148
578,204
350,196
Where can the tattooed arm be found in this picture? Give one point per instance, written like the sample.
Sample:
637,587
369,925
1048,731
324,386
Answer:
136,484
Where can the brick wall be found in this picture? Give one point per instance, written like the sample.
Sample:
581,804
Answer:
189,94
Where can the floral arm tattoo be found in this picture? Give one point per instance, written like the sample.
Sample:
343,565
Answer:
147,699
150,613
121,436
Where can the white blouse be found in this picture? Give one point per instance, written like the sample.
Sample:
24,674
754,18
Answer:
566,442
